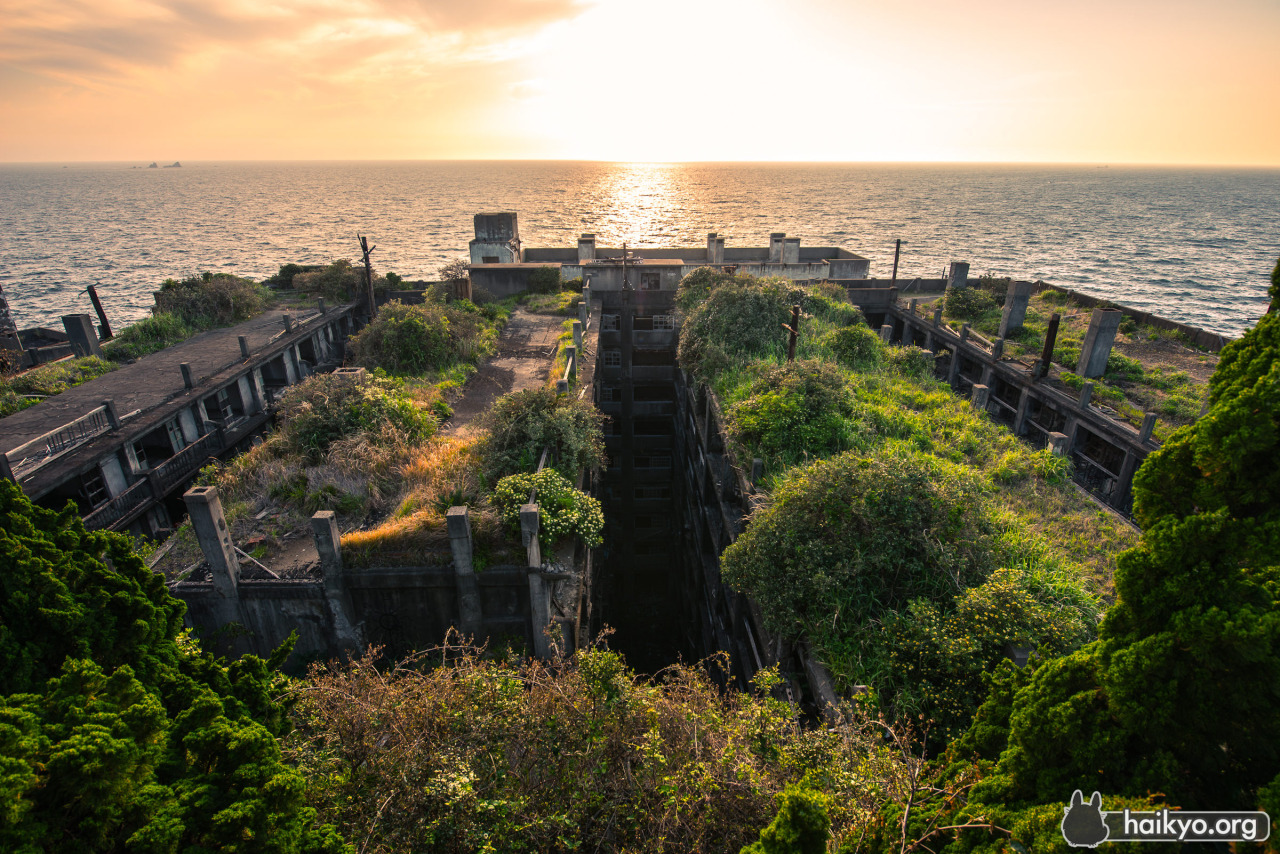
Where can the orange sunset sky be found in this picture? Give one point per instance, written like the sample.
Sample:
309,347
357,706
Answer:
1120,81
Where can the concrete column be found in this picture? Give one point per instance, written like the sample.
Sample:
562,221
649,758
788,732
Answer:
997,349
470,616
582,312
1086,394
571,360
540,613
1097,342
1124,481
1148,425
715,250
1020,416
586,248
775,246
80,333
980,396
937,316
958,274
562,386
324,527
205,509
757,471
791,250
321,306
577,335
244,346
1015,308
886,332
288,323
113,415
188,380
529,533
1058,444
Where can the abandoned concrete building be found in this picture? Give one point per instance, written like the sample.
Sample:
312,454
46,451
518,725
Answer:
501,265
124,446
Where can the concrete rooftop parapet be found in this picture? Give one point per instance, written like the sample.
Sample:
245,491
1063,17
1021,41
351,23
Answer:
205,508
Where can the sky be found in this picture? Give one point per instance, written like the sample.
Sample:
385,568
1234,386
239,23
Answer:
1089,81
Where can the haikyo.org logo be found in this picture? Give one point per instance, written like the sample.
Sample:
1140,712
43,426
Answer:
1086,825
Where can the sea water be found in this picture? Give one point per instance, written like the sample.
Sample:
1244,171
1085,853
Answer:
1193,244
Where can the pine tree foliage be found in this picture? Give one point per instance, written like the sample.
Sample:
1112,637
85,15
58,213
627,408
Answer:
116,732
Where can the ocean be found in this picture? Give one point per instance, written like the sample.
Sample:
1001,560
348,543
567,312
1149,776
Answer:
1192,244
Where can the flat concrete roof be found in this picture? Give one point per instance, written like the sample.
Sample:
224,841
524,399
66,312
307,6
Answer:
150,381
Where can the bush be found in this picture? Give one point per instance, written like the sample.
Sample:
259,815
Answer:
211,300
519,425
544,280
968,303
741,315
792,410
339,282
562,510
855,347
404,339
850,538
325,408
914,363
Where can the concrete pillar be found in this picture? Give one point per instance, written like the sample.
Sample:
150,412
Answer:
1058,444
1148,425
324,527
80,334
886,332
577,335
757,471
715,249
937,316
321,306
562,386
997,349
205,509
244,346
188,380
586,248
529,533
980,396
571,360
791,250
470,616
582,312
113,415
965,329
911,306
958,274
1124,480
1097,342
1015,308
1086,394
540,613
1020,415
775,246
288,323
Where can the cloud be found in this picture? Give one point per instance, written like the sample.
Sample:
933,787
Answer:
94,44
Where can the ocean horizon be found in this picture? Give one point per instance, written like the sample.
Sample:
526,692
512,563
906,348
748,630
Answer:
1195,244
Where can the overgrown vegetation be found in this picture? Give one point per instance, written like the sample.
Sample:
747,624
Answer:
898,522
563,511
520,425
415,339
118,731
29,388
1150,369
211,299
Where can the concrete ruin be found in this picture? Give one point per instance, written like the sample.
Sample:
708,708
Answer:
501,265
124,446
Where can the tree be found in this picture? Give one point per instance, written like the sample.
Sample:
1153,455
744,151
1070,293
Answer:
457,270
116,731
1181,692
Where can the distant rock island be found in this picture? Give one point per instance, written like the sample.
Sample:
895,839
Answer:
174,165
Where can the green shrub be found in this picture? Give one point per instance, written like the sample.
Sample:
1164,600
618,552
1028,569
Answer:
741,315
968,303
1123,368
544,280
325,408
801,826
339,282
404,339
793,410
855,347
850,538
211,299
519,425
562,510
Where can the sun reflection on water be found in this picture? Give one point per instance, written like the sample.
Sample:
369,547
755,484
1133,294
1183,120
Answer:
640,205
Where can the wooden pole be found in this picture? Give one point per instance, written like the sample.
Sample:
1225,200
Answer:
102,315
794,329
897,249
1050,339
368,276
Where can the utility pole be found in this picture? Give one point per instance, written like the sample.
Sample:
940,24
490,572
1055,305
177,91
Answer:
897,249
368,276
1050,339
794,329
